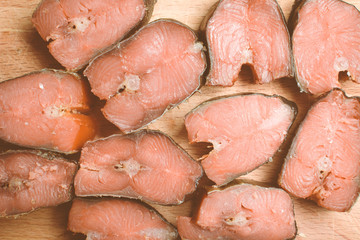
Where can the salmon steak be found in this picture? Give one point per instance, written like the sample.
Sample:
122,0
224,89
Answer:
323,163
245,130
30,180
118,219
143,76
318,28
146,165
244,211
77,30
46,109
236,35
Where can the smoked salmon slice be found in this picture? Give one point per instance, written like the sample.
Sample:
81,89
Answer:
77,30
146,165
30,180
118,219
147,74
245,130
244,212
323,162
249,32
325,42
46,109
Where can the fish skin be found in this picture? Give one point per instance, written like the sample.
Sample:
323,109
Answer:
201,129
322,174
241,211
317,81
132,108
32,179
55,114
72,27
125,172
112,219
260,75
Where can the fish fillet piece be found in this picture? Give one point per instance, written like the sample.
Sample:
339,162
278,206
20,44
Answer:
323,162
30,180
244,212
146,165
46,109
118,219
325,41
245,130
147,74
77,30
249,32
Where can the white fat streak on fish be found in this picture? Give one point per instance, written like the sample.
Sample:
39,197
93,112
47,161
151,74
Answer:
341,64
196,47
240,219
93,236
80,24
277,116
158,233
131,83
54,111
131,167
219,143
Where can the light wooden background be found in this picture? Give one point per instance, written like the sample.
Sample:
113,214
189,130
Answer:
22,51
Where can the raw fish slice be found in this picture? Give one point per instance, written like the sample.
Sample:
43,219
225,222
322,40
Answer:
77,30
246,130
236,35
118,219
323,162
146,165
30,180
46,109
143,76
325,42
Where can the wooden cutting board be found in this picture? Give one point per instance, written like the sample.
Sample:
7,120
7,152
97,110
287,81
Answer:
22,51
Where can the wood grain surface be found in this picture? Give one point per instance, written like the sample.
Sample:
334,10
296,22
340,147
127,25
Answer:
22,51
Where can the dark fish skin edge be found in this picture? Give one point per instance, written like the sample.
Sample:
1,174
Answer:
56,71
149,8
300,126
292,23
50,156
203,37
149,207
132,37
235,183
286,101
134,135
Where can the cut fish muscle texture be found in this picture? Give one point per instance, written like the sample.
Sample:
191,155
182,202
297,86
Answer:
325,41
77,30
242,211
323,162
245,130
46,109
146,165
30,180
113,219
236,35
143,76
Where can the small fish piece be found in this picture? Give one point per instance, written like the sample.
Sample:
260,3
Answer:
249,32
47,110
118,219
325,42
147,74
244,211
30,180
146,165
77,30
246,130
323,162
